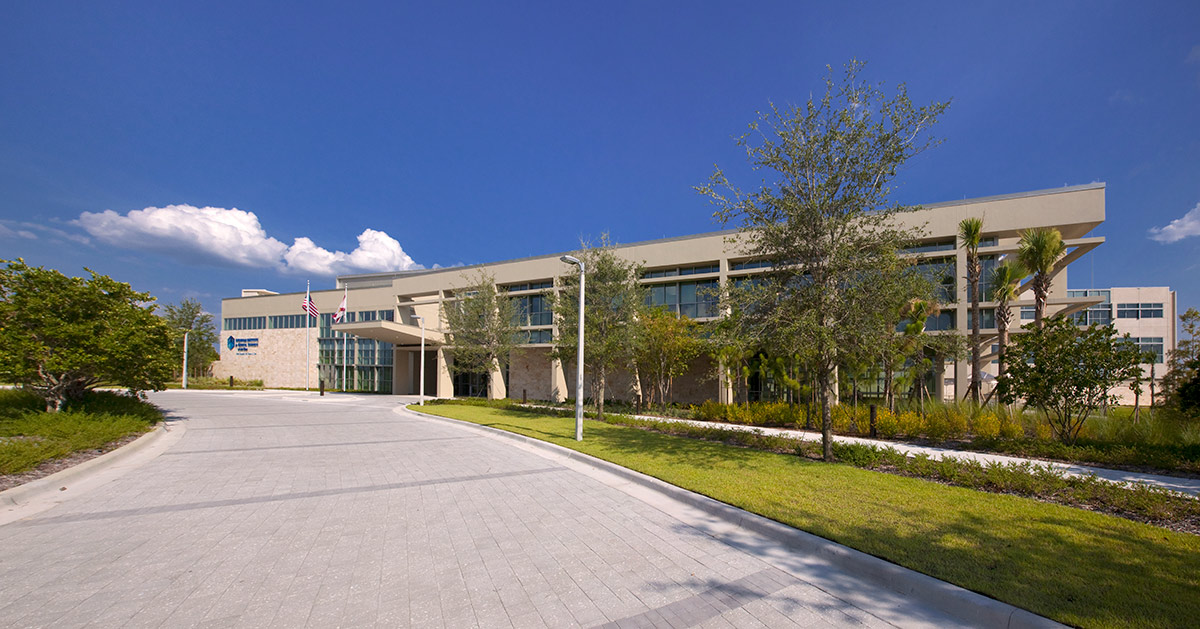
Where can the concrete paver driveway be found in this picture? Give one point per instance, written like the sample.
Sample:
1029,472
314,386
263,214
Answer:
288,509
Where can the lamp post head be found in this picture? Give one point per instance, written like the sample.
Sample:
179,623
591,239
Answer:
572,260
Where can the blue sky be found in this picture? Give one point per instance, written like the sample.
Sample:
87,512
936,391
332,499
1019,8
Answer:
371,136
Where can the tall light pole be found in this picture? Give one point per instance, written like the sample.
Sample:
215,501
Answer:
579,353
185,350
422,384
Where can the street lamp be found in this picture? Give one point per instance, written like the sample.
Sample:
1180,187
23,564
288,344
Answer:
579,354
185,352
422,385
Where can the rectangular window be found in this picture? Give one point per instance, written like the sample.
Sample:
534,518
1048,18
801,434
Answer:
533,310
1152,344
943,245
698,300
1140,311
1028,313
942,273
244,323
746,265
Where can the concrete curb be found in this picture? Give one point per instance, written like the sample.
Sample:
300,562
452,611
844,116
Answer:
970,607
41,494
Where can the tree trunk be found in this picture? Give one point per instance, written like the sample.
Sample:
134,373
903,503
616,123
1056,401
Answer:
976,374
826,415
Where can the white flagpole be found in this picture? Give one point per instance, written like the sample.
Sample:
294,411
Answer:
345,339
307,334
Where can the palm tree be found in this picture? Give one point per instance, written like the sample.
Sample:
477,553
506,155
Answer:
917,311
1006,277
970,232
1038,250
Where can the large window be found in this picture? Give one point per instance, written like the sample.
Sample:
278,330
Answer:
686,270
533,310
245,323
1140,311
1098,314
1152,344
941,272
695,300
287,321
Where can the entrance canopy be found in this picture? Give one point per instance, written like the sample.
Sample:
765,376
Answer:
391,332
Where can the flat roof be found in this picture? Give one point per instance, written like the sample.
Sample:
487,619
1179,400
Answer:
722,232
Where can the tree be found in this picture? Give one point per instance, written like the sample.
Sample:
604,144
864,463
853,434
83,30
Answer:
1183,362
482,326
189,316
825,223
666,345
62,336
1003,284
1068,372
970,232
1038,251
613,298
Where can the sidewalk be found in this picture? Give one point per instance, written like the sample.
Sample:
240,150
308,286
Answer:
1189,486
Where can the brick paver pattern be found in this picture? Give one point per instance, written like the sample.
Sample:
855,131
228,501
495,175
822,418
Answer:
289,510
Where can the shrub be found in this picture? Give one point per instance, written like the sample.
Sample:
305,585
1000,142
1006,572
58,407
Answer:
113,403
937,426
887,424
987,425
15,401
910,424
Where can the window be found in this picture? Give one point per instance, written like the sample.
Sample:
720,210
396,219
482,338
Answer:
536,336
533,310
941,272
287,321
245,323
746,265
1140,311
687,270
540,285
1028,313
695,300
943,245
1153,344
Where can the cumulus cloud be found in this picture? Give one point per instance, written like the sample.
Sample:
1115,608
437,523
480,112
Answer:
1180,228
233,237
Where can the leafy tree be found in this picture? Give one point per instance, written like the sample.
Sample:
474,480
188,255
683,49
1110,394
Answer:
825,221
482,326
61,336
666,346
613,298
1005,279
970,233
1183,363
1068,372
1038,252
189,315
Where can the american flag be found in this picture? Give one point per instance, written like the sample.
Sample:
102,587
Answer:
309,307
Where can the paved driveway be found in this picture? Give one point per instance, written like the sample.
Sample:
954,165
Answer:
287,510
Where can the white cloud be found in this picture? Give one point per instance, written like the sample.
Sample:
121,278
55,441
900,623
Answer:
1180,228
7,232
235,237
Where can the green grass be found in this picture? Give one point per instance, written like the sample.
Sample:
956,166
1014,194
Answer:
1075,566
30,436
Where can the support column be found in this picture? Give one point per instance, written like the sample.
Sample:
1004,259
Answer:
962,379
445,383
558,381
724,385
496,388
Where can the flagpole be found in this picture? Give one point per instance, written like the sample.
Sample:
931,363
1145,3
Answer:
345,339
307,335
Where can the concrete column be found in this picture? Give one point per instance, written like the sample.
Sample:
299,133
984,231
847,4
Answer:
402,378
558,381
445,383
496,388
724,384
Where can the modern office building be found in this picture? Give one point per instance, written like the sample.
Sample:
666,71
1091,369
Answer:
378,347
1148,315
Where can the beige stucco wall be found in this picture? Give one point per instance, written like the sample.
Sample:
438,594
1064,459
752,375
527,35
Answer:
278,360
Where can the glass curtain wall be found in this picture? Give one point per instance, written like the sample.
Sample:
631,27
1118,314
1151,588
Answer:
367,363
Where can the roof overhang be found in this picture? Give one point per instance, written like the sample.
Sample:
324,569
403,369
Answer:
391,332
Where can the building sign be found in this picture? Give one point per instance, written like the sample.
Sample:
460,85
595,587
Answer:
242,347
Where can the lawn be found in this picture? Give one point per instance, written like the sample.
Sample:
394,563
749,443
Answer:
30,436
1075,566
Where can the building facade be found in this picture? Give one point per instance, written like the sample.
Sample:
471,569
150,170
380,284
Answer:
378,348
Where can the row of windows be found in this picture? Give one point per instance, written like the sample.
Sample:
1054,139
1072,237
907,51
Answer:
1140,311
687,270
945,245
353,351
530,286
536,336
746,265
276,322
245,323
1092,292
1153,344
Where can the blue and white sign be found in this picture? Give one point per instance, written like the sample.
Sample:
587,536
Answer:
242,347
